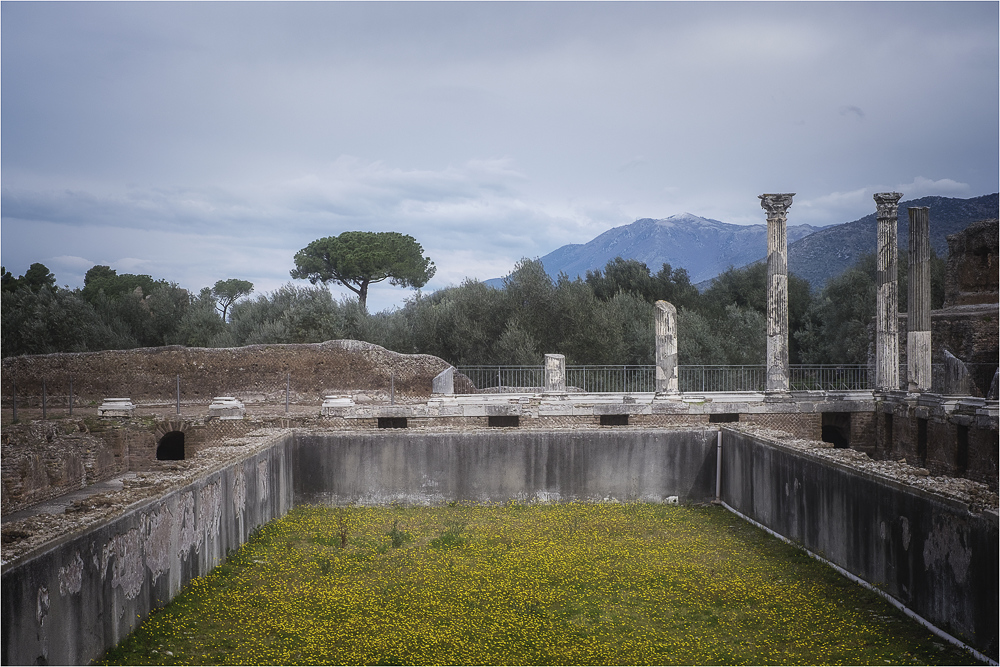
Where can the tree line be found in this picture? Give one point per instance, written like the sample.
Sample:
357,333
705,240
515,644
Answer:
605,317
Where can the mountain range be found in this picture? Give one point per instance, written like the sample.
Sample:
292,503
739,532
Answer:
707,247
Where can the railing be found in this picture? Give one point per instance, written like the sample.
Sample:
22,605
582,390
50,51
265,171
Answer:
721,378
638,379
829,378
612,379
504,378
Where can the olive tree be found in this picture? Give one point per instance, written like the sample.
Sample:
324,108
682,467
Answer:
358,259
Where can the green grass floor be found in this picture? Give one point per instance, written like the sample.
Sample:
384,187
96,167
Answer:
525,584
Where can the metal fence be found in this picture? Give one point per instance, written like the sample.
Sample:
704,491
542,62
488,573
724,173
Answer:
829,378
500,379
638,379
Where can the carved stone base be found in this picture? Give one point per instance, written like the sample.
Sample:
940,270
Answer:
116,407
226,407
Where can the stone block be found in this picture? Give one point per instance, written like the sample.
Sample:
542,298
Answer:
444,382
116,407
555,373
336,406
226,407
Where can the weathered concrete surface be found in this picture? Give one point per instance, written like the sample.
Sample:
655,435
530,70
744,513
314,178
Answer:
423,468
887,295
929,552
666,348
85,592
776,206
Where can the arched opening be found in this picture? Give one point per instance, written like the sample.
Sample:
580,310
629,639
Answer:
837,429
171,447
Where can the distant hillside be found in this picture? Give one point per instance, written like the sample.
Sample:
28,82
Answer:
704,247
820,256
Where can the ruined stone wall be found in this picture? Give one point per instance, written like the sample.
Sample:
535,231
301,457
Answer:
972,275
863,425
43,460
957,443
255,372
806,425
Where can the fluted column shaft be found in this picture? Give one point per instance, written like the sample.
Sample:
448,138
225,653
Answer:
666,348
776,206
887,295
918,302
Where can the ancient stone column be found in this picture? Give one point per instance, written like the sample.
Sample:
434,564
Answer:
776,206
918,302
666,348
887,296
555,374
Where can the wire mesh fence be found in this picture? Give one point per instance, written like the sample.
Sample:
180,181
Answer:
71,395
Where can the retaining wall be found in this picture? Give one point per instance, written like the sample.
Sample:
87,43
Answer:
423,468
930,553
84,594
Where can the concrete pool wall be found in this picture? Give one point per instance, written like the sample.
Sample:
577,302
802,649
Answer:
932,554
423,468
72,600
79,596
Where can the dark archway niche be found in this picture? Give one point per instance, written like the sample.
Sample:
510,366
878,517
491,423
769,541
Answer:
171,447
837,429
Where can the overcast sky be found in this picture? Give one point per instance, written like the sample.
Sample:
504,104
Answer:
202,141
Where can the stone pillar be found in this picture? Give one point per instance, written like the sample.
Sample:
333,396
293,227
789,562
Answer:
887,296
555,374
776,206
918,302
666,348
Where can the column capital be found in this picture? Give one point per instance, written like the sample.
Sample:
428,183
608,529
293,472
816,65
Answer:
887,203
776,204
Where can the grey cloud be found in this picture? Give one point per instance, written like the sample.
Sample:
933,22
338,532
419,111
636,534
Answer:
852,111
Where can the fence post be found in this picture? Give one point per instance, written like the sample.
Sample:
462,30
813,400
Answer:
14,393
71,397
288,386
392,388
178,394
44,401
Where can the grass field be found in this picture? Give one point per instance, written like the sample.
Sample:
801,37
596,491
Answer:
525,584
